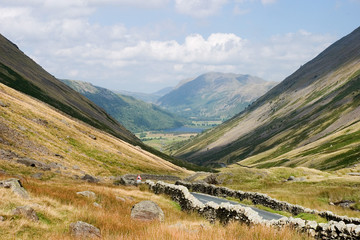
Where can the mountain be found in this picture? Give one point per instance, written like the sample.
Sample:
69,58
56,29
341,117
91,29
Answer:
147,97
134,114
310,119
214,96
23,74
20,72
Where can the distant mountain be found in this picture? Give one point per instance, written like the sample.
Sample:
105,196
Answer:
214,96
20,72
310,119
134,114
147,97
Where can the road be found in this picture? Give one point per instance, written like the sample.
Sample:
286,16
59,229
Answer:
207,198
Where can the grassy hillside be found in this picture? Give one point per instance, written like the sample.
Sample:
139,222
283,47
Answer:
310,119
32,129
214,96
23,74
135,115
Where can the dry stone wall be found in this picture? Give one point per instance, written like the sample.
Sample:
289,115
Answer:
226,212
264,200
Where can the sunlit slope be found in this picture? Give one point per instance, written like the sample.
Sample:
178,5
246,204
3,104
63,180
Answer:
23,74
32,129
308,119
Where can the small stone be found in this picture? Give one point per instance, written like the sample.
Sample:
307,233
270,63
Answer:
2,104
87,194
92,136
291,178
120,199
27,212
97,205
2,219
147,211
84,230
37,175
75,167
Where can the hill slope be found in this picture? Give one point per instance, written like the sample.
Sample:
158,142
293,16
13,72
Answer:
214,96
310,119
135,115
31,129
21,73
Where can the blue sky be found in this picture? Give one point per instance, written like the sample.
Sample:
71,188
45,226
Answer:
145,45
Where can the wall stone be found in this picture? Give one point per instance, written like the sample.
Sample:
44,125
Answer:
264,200
226,212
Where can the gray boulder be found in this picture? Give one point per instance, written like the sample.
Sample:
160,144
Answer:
15,185
27,212
33,163
84,230
87,194
2,219
90,178
147,211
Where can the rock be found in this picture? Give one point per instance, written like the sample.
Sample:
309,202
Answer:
37,175
90,178
27,212
2,104
59,155
92,136
87,194
147,211
97,205
345,203
2,219
33,163
75,167
125,181
15,185
291,178
84,230
353,174
120,199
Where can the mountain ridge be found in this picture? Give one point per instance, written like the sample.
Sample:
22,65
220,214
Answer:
307,105
214,95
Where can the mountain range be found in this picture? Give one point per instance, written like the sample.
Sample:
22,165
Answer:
21,73
134,114
214,96
312,119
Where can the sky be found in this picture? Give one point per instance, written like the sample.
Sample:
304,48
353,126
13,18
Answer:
147,45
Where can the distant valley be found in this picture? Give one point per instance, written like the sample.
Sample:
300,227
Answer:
134,114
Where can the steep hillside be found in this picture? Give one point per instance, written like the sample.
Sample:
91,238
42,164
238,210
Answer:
30,129
21,73
310,119
214,96
135,115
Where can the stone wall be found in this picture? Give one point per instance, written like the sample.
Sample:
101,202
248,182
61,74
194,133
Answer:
264,200
226,212
130,179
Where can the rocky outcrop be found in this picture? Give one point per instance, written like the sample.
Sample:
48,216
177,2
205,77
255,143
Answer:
147,211
130,179
33,163
15,185
226,212
87,194
27,212
90,178
264,200
84,230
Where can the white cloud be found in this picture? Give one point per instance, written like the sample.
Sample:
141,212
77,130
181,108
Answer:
265,2
199,8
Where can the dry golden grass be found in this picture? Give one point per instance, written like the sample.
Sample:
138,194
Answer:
58,205
33,129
